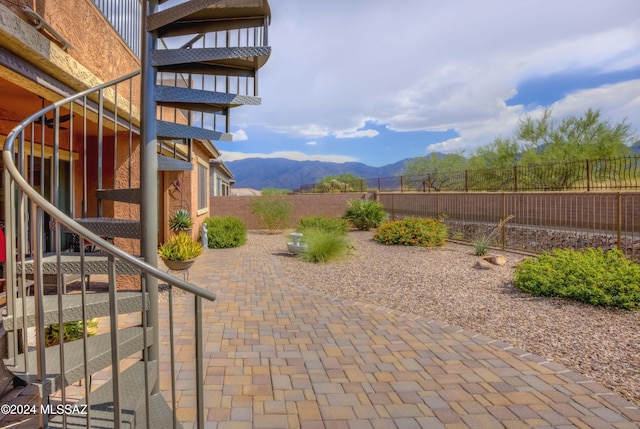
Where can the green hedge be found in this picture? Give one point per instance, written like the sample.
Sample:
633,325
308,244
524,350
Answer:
412,231
588,275
225,231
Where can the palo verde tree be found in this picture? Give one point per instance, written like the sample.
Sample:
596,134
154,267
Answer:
345,182
558,146
436,172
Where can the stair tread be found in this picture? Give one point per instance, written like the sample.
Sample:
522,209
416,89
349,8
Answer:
171,95
125,195
132,382
245,57
112,227
179,131
183,18
131,340
97,306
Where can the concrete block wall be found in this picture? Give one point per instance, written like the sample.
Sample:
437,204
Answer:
329,205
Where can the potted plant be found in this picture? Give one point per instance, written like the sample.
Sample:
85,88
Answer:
71,331
180,251
181,221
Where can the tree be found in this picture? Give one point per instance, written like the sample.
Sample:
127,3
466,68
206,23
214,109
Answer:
436,172
558,146
345,182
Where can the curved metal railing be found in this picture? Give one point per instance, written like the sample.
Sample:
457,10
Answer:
29,200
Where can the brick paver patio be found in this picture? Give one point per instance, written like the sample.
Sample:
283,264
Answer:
280,356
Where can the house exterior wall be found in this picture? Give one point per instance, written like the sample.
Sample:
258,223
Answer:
93,60
179,190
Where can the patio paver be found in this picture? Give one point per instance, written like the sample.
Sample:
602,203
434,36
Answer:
278,355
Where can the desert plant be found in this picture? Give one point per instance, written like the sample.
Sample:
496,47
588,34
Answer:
71,331
180,247
225,231
458,235
412,231
266,192
588,275
273,212
365,214
180,221
481,245
324,246
332,224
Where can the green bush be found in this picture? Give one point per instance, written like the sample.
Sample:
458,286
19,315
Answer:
324,246
225,231
588,275
331,224
365,214
274,191
412,231
273,212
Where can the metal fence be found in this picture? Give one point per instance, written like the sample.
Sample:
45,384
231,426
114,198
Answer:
541,220
125,17
587,175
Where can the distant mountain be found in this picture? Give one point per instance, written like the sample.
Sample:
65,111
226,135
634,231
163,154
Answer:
259,173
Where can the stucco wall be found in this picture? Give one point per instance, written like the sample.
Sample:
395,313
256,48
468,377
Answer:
78,21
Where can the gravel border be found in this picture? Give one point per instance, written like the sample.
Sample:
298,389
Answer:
442,284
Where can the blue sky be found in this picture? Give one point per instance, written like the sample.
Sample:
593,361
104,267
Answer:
376,82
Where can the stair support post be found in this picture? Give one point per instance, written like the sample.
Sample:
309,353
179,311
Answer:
149,177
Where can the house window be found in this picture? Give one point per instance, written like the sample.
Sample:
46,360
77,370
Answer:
203,195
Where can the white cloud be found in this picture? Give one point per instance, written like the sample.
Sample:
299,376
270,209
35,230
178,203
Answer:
443,66
239,135
355,134
296,156
312,143
616,102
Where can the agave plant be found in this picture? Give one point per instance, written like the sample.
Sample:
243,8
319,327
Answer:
180,247
180,221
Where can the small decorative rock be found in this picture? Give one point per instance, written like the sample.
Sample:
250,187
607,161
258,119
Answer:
482,265
495,259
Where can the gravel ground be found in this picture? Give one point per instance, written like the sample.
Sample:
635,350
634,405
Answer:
442,284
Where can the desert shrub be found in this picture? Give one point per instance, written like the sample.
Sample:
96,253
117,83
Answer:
266,192
365,214
331,224
324,246
225,231
412,231
588,275
273,212
481,245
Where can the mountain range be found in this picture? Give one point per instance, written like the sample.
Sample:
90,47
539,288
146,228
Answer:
282,173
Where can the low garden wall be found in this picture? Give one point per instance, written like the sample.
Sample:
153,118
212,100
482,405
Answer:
329,205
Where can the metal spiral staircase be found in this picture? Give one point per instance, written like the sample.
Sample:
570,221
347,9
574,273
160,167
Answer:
200,59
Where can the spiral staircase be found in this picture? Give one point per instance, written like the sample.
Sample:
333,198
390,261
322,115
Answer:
200,59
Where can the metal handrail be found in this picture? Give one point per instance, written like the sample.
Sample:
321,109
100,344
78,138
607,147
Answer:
8,157
16,180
